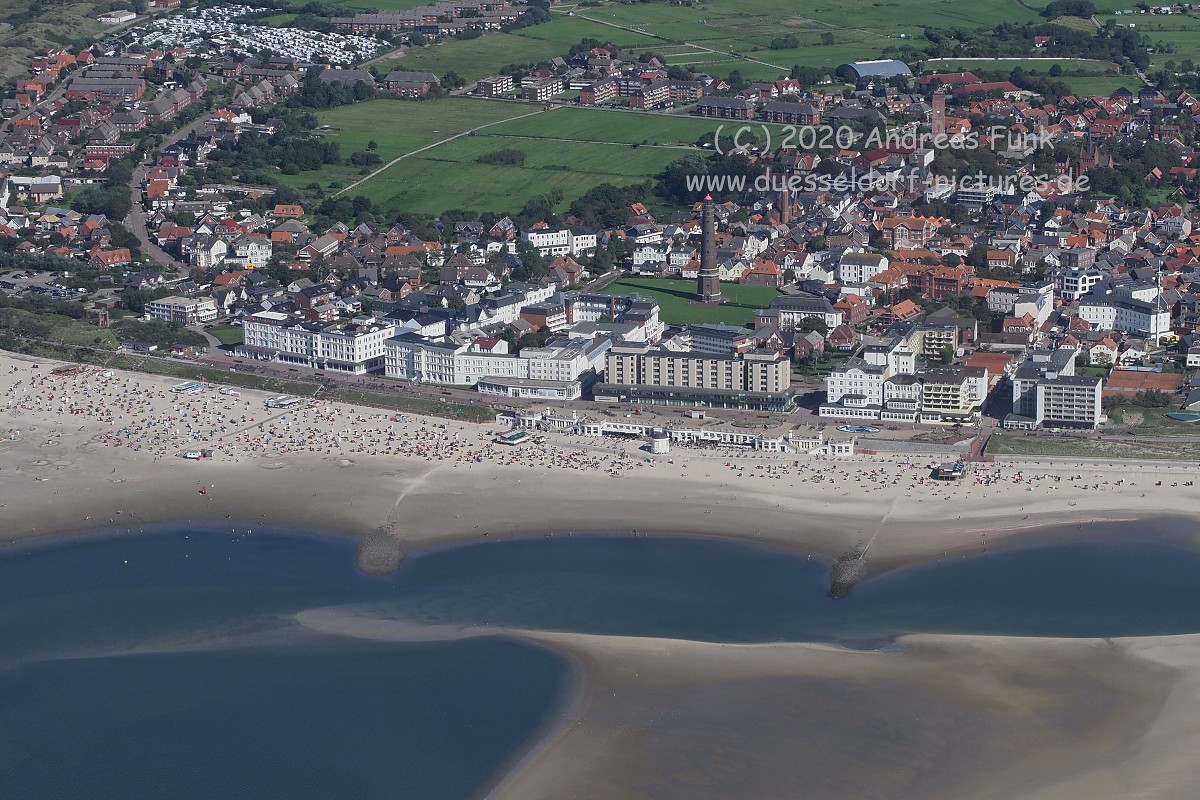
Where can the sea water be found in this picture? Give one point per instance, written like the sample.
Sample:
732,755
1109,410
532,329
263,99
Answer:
169,665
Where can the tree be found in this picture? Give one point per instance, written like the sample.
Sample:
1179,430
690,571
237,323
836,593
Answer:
828,38
813,324
372,145
817,243
947,354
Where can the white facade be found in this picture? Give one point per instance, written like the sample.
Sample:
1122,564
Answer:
1078,282
1037,301
583,242
1070,402
411,358
561,242
357,347
856,383
184,310
116,17
649,257
549,242
860,267
249,251
1151,319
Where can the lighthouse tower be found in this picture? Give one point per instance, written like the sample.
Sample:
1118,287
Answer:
708,282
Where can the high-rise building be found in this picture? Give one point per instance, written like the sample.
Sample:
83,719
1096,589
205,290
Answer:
708,282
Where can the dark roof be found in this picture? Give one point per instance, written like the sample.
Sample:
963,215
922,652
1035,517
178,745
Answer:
400,75
878,69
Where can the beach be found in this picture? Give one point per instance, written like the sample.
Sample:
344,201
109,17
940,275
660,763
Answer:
1005,716
101,448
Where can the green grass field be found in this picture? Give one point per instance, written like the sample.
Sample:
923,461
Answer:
570,148
567,31
861,29
1075,447
383,5
478,58
1027,64
397,126
1105,86
188,371
596,125
475,58
739,31
1173,36
226,334
449,177
1098,80
278,20
675,299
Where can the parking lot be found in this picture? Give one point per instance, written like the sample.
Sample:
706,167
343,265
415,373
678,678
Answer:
18,284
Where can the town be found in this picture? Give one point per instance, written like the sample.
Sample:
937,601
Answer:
936,302
599,398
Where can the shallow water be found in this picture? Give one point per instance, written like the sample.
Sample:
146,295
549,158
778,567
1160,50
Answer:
168,665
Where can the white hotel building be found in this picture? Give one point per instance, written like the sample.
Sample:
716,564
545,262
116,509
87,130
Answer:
1141,313
540,371
561,241
356,347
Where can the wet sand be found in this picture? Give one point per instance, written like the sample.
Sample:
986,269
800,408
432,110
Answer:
932,717
939,717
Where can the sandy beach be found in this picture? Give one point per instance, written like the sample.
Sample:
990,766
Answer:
1001,717
83,451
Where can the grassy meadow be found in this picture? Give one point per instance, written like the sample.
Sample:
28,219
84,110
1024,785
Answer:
396,127
676,300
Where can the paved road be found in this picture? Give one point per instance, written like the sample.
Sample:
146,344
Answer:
136,221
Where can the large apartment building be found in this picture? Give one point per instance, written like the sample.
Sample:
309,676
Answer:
952,394
758,379
183,310
1047,393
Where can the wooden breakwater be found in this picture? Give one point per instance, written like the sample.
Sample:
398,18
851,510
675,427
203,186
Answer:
847,571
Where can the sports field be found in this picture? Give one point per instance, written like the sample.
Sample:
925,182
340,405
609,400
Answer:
676,300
